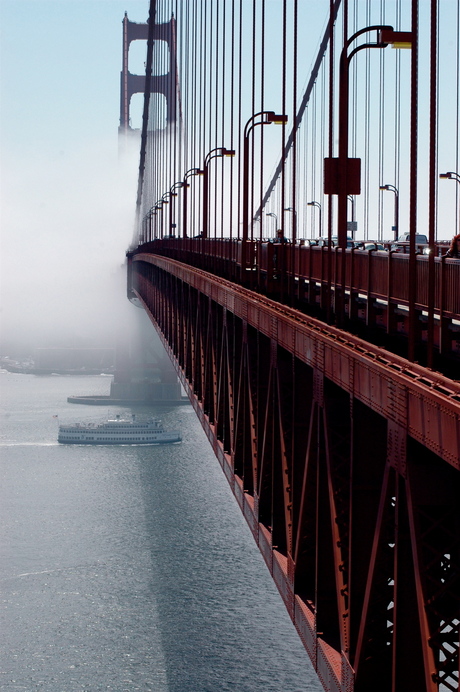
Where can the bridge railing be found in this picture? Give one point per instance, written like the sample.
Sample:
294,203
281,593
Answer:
377,291
384,274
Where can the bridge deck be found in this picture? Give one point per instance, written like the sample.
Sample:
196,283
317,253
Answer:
345,461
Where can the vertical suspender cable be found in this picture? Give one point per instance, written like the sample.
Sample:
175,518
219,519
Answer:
323,126
207,38
201,44
262,108
432,180
148,75
381,127
354,102
178,97
367,131
305,154
331,144
196,134
398,107
457,129
240,89
232,109
292,248
223,111
294,141
314,141
283,110
189,159
174,124
413,180
214,99
184,77
253,109
171,130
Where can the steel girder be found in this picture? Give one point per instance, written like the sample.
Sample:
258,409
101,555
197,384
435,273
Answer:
345,462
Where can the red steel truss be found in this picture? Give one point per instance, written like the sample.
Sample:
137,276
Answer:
345,462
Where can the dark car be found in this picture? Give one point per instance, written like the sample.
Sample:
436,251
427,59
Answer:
373,246
322,242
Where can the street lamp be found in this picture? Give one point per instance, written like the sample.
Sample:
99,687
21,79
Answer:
269,117
342,175
155,209
213,154
318,206
172,193
393,189
272,213
352,226
188,174
145,227
149,219
294,213
159,207
164,200
451,175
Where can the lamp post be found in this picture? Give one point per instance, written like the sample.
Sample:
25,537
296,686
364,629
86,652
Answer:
151,213
172,221
272,214
451,175
393,189
159,207
155,210
213,154
353,227
343,175
268,117
188,174
318,206
164,200
145,227
345,179
294,213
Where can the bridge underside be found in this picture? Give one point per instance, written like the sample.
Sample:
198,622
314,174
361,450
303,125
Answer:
347,474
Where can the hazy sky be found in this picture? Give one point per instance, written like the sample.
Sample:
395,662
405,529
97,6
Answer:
67,201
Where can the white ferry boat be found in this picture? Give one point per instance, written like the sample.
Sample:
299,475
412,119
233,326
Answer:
118,432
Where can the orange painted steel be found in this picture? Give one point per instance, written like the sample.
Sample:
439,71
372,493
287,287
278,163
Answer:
376,284
345,461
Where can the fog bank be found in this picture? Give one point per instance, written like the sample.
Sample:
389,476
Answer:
66,223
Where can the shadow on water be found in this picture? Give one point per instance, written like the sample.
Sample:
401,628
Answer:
130,567
223,625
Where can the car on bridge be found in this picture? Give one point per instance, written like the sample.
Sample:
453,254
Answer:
322,242
372,245
403,243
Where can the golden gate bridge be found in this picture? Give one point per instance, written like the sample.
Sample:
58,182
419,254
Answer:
312,317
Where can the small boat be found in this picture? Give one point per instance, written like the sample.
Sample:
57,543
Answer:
118,432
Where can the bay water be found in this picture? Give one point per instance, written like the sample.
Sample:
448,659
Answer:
128,568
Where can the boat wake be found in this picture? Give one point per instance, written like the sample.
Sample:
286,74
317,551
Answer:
29,444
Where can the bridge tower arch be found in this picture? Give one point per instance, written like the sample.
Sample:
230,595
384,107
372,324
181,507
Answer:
131,84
